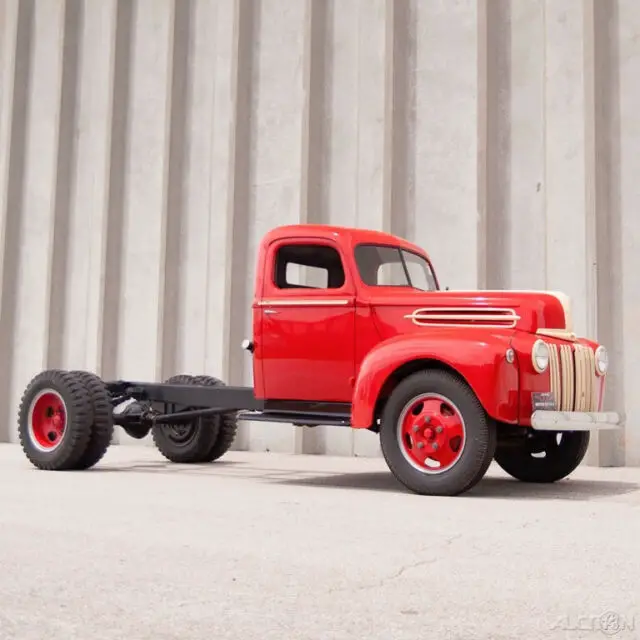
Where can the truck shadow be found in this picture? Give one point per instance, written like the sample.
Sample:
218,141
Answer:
492,487
489,487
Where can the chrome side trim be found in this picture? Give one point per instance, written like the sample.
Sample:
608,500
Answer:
307,302
494,317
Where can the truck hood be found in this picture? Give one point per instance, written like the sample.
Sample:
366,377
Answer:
402,310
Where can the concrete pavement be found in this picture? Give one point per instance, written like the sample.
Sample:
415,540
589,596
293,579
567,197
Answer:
271,546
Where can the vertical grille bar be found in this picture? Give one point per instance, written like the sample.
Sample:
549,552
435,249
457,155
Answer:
586,399
568,377
554,374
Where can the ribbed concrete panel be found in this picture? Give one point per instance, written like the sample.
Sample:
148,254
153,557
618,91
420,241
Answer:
13,22
147,145
626,163
43,177
89,207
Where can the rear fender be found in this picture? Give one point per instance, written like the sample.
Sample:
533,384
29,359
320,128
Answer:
479,359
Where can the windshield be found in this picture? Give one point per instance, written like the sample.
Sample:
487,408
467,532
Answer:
393,267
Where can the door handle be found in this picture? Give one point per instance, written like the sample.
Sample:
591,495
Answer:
270,311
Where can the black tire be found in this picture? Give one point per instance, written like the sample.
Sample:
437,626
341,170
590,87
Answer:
562,455
227,424
102,429
58,438
475,450
189,442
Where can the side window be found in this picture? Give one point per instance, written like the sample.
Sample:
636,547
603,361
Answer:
308,266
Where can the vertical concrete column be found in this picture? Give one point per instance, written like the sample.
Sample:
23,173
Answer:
238,288
569,238
31,330
8,32
602,148
105,319
88,207
523,162
278,106
205,245
511,151
145,212
342,121
64,185
626,163
313,158
9,126
354,165
446,219
375,32
87,265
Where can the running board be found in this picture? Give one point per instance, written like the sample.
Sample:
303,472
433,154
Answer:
298,419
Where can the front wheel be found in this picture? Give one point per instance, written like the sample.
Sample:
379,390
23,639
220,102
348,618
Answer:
435,435
544,457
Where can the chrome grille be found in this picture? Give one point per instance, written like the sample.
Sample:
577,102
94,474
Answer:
573,378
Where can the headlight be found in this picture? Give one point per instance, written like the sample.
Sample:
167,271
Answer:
602,360
540,356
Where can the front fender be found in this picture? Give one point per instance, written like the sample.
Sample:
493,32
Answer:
478,356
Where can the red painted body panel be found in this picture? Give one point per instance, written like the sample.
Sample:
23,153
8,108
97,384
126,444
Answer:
306,341
343,344
307,353
530,380
479,358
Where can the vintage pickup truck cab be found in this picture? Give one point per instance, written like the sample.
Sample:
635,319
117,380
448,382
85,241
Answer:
351,328
449,379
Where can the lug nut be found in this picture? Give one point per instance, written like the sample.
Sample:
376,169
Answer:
427,420
438,429
415,429
420,445
435,446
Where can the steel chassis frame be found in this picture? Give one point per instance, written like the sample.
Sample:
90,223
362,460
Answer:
175,403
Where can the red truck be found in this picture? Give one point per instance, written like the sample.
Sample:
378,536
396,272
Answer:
352,329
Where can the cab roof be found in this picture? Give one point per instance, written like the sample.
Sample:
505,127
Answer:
352,235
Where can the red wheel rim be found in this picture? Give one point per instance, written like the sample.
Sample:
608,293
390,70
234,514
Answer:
47,420
431,433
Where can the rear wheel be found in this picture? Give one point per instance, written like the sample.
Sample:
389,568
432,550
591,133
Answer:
435,435
544,457
227,424
102,429
187,442
55,420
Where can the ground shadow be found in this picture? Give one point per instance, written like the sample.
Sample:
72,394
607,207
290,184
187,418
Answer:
490,487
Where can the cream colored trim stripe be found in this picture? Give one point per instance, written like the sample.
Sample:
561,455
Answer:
460,316
561,334
307,302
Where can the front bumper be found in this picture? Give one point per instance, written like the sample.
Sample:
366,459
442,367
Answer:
543,420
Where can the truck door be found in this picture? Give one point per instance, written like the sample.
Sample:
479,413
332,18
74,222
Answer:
306,349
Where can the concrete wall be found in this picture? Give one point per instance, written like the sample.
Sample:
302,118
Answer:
146,145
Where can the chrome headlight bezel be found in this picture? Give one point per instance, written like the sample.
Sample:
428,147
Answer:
540,356
602,360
